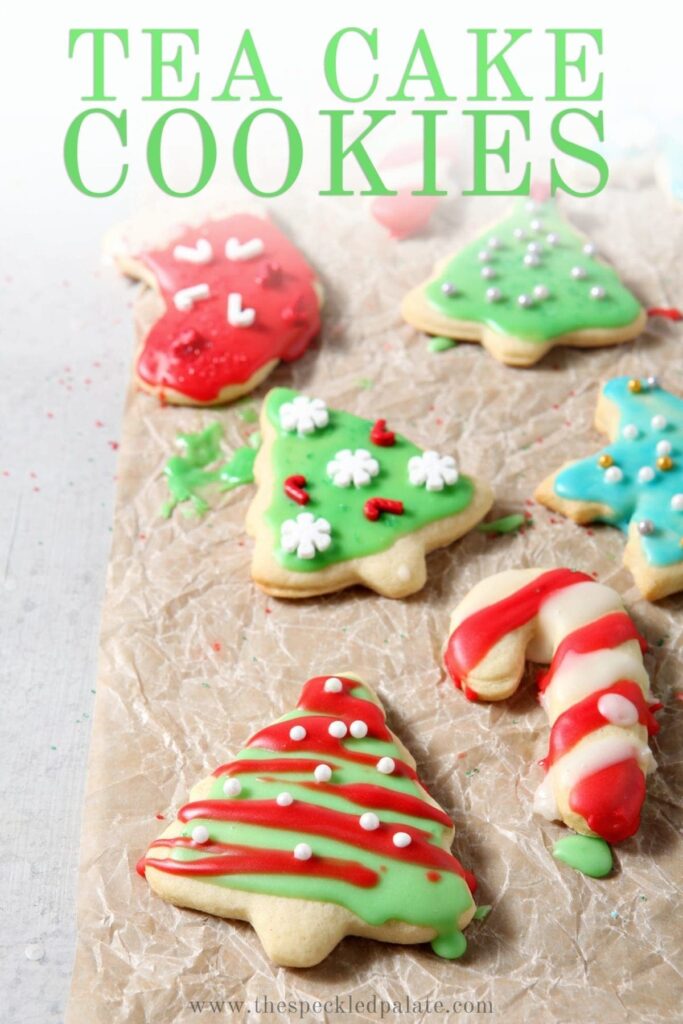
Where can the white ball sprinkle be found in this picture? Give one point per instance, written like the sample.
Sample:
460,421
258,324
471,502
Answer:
386,765
493,295
232,787
358,729
200,834
484,256
534,247
677,503
338,730
613,475
658,422
532,260
333,685
646,475
597,292
488,273
630,431
494,243
401,839
589,249
284,799
552,238
577,273
297,732
541,292
369,821
302,851
663,447
322,773
525,301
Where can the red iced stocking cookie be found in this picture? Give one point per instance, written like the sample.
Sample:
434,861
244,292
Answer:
236,296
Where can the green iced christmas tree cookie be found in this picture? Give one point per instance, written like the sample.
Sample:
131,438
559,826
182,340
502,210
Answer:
529,283
343,500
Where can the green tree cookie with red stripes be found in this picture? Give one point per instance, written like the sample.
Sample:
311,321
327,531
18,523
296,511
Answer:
343,500
320,828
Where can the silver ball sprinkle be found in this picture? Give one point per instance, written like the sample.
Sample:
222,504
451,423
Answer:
484,256
525,301
494,243
534,247
646,527
578,273
531,205
493,295
519,234
536,224
541,292
488,273
552,238
652,382
448,288
532,259
589,249
597,292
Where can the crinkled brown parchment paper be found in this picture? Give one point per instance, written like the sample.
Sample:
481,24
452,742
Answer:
194,659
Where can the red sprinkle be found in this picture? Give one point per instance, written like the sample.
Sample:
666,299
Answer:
666,312
381,436
294,489
373,507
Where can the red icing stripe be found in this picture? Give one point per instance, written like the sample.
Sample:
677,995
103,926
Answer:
610,800
322,821
471,641
271,764
197,352
343,705
609,631
583,718
379,798
666,312
245,860
317,741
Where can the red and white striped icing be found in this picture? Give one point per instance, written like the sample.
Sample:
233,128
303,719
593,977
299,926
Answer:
596,692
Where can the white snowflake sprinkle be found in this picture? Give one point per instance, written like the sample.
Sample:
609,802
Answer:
305,415
305,535
432,471
357,468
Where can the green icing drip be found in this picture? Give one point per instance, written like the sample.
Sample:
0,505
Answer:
568,307
403,893
508,524
587,854
353,536
439,344
187,474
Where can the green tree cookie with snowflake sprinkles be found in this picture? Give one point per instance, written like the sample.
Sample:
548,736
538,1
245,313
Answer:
342,500
635,482
530,283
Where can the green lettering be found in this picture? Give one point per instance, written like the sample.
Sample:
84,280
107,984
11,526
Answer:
482,151
423,50
330,63
247,49
71,140
339,152
430,185
562,62
295,150
208,144
499,62
99,93
159,62
580,153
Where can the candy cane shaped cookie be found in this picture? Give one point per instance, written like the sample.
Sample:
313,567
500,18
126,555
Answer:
596,692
